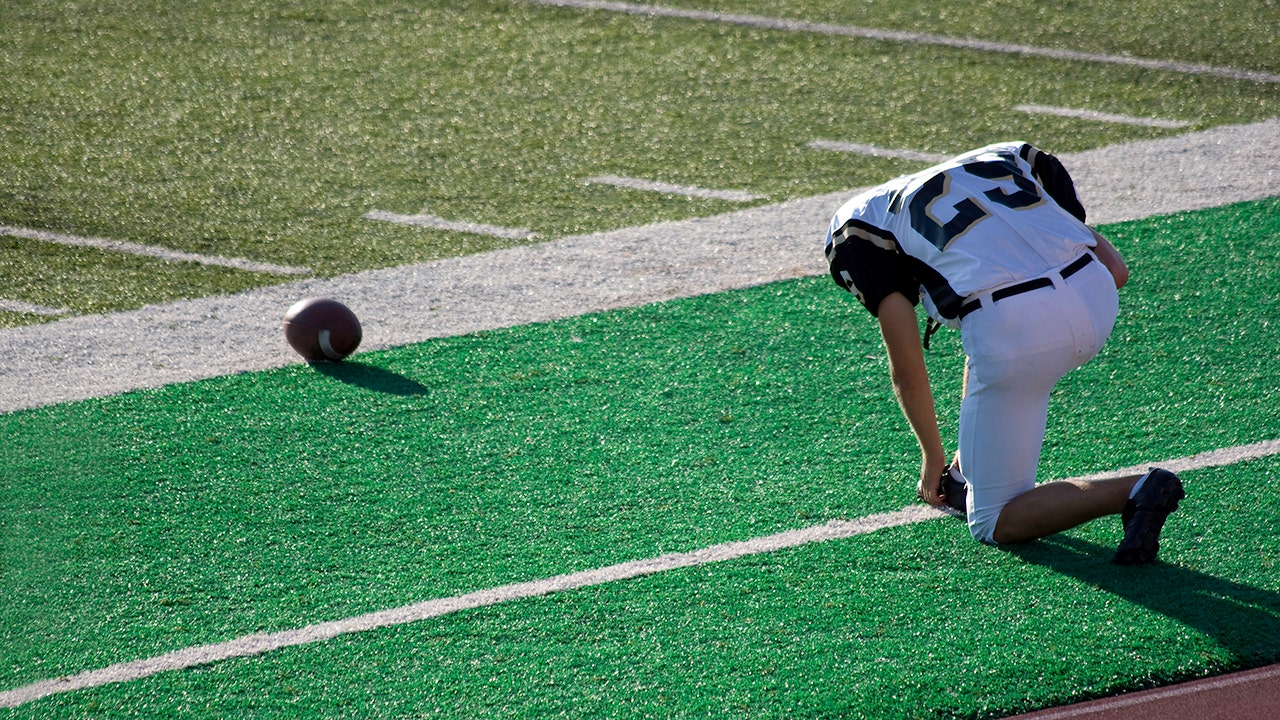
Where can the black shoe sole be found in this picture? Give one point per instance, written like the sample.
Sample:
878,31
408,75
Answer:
1144,518
956,493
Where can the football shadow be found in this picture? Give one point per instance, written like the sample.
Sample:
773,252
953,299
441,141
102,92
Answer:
1242,618
370,377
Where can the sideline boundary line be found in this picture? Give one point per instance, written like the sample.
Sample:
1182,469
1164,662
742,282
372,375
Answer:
250,645
90,356
257,644
914,38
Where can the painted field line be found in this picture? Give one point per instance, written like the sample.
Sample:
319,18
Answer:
876,151
250,645
686,190
91,356
151,251
26,308
439,223
770,23
1211,458
1095,116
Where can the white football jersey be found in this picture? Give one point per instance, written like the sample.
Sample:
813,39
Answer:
986,219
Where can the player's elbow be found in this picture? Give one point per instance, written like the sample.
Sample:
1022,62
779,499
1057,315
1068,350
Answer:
1119,272
1111,259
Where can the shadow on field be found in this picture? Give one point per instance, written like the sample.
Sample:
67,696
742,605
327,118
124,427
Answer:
1243,619
370,377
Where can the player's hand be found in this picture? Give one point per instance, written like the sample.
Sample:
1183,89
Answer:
929,488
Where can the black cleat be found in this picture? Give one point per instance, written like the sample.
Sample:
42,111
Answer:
955,490
1144,517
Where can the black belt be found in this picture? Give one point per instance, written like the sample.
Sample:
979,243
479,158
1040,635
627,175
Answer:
1028,286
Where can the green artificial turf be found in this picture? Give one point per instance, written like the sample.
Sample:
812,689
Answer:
907,623
268,131
196,513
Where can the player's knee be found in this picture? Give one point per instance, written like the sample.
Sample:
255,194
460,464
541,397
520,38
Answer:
982,525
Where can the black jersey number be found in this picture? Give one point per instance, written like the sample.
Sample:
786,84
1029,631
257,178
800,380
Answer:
1012,190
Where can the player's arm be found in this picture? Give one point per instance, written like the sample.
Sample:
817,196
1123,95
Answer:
1112,259
910,378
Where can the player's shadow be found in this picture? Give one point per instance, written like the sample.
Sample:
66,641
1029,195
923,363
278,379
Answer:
370,377
1243,619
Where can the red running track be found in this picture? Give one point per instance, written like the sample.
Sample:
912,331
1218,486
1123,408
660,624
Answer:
1248,695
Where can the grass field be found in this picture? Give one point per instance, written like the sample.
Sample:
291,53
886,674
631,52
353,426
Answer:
198,513
267,131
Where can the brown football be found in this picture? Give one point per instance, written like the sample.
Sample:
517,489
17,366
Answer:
322,329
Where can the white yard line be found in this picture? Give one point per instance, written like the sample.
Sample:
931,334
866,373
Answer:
1096,116
257,644
916,38
163,253
876,151
20,306
97,355
439,223
671,189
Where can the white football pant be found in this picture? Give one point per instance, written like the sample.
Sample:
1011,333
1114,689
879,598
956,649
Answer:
1018,348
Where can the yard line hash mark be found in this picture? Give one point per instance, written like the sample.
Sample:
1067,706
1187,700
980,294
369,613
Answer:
154,251
686,190
783,24
26,308
1097,116
257,644
439,223
876,151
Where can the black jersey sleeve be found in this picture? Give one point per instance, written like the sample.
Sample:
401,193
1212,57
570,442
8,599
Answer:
1055,180
866,261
